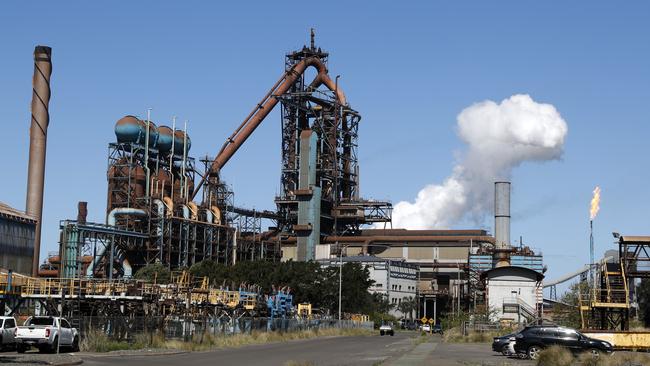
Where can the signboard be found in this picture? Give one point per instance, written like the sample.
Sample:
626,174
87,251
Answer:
431,321
424,320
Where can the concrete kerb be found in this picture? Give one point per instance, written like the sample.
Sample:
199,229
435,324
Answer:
140,352
71,363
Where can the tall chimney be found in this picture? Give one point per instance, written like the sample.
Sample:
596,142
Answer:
37,142
502,214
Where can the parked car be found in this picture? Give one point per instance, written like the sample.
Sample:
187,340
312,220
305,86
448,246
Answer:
46,333
533,339
7,331
386,329
500,344
437,329
426,328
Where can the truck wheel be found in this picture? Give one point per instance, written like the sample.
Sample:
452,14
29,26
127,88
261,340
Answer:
55,345
392,333
20,348
75,344
381,333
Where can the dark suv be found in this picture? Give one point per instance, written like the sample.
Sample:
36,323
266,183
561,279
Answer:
532,339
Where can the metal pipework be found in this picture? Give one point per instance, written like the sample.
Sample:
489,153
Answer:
270,100
38,142
111,221
502,214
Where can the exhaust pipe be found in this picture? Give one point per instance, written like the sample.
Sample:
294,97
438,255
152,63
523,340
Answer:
37,143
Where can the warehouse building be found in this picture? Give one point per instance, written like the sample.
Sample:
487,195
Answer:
16,240
395,279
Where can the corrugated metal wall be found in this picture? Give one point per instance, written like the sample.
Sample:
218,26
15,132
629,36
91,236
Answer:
16,245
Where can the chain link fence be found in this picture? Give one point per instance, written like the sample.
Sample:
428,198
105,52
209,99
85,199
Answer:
126,328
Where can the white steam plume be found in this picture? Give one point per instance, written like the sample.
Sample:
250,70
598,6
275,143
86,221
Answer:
499,137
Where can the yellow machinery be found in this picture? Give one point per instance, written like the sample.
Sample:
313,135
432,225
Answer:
304,310
182,290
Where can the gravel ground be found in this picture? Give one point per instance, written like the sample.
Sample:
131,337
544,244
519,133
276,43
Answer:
61,359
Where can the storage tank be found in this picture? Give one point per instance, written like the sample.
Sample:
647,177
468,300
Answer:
129,129
165,138
117,175
164,182
179,138
153,133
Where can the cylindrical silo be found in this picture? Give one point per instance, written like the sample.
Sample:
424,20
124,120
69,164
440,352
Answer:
502,214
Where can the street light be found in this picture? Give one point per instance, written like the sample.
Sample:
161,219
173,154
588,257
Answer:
340,268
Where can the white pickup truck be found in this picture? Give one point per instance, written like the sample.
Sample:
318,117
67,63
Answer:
47,333
7,331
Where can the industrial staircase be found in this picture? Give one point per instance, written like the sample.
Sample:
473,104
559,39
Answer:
606,305
514,305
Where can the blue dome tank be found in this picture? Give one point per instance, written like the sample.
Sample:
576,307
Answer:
153,133
129,129
165,138
179,137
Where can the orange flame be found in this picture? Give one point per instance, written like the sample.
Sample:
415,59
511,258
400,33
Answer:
595,204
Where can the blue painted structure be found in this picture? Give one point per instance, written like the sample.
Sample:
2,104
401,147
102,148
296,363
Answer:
309,198
280,305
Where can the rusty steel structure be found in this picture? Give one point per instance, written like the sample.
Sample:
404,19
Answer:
320,173
37,142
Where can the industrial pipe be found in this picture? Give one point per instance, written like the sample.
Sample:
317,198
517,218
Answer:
111,220
37,143
170,206
270,100
160,211
216,212
194,210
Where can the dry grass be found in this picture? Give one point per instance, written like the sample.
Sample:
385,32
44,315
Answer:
98,342
559,356
454,335
298,363
617,359
555,356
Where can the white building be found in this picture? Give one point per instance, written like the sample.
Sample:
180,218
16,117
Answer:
513,294
395,279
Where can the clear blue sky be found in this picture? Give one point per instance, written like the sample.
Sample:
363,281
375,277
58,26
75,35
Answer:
409,69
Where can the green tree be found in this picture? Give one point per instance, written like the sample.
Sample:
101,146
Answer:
643,298
154,273
407,306
567,312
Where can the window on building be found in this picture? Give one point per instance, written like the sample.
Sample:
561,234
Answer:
378,285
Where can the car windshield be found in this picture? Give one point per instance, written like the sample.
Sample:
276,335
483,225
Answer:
40,321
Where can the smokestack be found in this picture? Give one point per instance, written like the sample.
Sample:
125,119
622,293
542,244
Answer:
82,212
502,214
37,142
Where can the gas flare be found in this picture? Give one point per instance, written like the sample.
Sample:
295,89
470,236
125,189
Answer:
595,204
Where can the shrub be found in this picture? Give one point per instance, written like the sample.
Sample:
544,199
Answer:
555,356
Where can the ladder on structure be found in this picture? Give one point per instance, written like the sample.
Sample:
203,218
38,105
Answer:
606,305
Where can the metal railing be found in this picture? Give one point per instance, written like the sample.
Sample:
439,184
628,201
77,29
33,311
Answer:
528,311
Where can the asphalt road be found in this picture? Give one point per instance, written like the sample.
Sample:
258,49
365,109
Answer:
368,350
